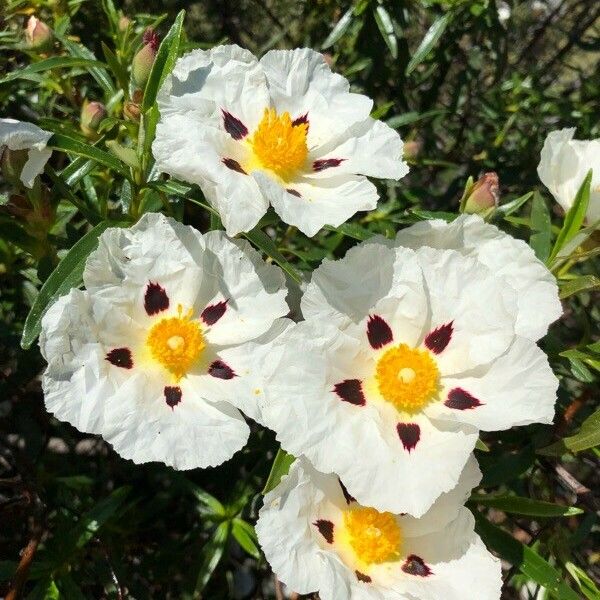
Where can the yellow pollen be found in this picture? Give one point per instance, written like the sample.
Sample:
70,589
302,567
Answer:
278,145
375,537
407,377
176,342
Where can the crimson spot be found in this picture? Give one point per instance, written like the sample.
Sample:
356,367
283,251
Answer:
461,400
325,529
327,163
172,395
301,120
410,434
233,126
212,313
350,390
155,299
439,338
378,332
221,370
415,565
120,357
234,165
294,193
349,498
362,577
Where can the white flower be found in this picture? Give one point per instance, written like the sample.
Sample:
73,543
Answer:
510,259
404,355
316,537
564,163
284,131
18,135
169,334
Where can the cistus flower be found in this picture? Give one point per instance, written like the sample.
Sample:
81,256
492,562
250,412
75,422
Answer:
404,355
38,36
484,195
141,65
18,135
564,163
92,114
284,131
167,337
317,537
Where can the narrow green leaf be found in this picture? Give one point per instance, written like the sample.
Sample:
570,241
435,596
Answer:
386,28
481,446
263,242
124,154
246,537
352,230
574,217
588,437
211,554
15,234
514,205
529,562
55,62
412,117
207,504
68,274
428,42
338,31
281,465
525,506
115,66
541,228
587,586
585,283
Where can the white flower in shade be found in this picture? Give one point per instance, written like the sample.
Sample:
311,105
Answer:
404,355
19,135
168,335
510,259
316,537
284,131
564,163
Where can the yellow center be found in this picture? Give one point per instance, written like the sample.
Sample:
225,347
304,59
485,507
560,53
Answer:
176,342
278,145
407,377
375,537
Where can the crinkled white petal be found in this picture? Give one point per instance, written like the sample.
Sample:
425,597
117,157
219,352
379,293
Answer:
510,259
20,135
321,202
518,388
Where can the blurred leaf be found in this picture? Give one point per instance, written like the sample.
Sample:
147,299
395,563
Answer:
352,230
541,228
412,117
514,205
481,446
588,588
68,274
585,283
386,28
245,535
588,437
211,554
526,506
115,66
55,62
46,589
529,562
281,465
338,31
15,234
126,155
263,242
505,467
428,42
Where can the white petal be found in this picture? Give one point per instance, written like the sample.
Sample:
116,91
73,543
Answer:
518,388
321,202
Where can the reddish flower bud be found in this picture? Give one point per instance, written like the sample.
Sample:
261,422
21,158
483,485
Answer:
38,35
92,114
484,195
144,59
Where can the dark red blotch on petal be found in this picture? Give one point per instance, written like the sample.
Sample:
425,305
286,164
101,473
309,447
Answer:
410,434
233,126
234,165
155,299
349,498
415,565
301,120
378,332
212,313
362,577
327,163
439,338
461,400
350,390
294,193
172,395
221,370
325,529
120,357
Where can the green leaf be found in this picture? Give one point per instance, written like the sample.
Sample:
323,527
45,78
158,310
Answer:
207,504
386,28
246,537
15,234
68,274
263,242
526,506
71,145
514,205
56,62
588,588
574,217
115,66
428,42
588,437
529,562
352,230
281,465
481,446
541,228
338,31
412,117
211,554
124,154
585,283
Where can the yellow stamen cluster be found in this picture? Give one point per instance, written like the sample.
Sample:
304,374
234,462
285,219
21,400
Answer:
176,342
278,145
375,537
407,377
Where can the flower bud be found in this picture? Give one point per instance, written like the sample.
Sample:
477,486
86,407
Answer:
483,195
11,165
92,114
124,23
131,111
144,59
38,35
412,149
